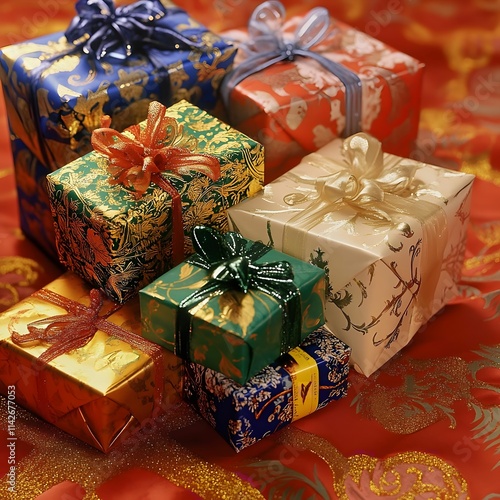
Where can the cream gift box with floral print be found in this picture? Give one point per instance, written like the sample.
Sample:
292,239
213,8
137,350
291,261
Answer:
389,232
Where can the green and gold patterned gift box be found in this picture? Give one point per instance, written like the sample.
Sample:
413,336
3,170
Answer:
234,306
123,214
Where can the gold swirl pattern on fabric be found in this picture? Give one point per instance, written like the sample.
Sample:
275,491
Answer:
43,467
403,475
398,407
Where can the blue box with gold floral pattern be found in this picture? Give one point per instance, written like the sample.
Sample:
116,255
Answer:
302,381
110,61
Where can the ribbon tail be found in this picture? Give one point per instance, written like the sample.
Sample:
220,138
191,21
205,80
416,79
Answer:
295,229
291,318
177,222
183,327
250,66
353,90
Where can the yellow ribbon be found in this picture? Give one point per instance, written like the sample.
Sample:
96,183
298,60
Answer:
377,188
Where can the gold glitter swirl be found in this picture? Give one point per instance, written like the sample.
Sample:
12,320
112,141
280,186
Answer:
27,271
58,457
301,440
401,476
404,476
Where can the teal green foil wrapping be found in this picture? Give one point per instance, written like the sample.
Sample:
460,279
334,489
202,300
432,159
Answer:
234,333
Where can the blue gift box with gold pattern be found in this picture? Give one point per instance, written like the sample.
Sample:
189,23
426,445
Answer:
110,61
302,381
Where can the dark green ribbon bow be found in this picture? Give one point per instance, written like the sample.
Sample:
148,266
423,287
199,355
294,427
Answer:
232,265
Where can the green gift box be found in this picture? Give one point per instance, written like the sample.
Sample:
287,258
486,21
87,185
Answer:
119,239
234,306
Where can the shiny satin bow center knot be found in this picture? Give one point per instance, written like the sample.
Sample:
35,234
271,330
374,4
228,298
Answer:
235,272
365,180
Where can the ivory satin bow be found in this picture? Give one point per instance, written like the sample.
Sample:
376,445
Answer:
380,189
364,181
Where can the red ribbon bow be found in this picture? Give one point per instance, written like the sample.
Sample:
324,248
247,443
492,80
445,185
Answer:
64,332
156,148
70,331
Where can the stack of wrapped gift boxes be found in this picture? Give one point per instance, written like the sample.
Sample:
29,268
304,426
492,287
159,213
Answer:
237,227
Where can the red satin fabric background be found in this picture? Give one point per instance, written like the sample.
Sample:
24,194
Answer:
429,420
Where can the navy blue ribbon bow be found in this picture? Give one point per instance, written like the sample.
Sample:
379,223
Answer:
232,265
101,29
267,45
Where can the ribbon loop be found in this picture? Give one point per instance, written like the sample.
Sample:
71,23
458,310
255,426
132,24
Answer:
142,154
266,22
101,29
232,265
313,28
363,182
268,44
73,329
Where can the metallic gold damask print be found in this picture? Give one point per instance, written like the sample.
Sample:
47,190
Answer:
24,273
57,457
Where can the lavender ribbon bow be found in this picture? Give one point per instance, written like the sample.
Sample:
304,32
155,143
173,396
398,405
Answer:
267,45
101,29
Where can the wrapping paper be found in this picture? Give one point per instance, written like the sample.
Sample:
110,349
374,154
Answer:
232,331
119,243
101,392
299,383
391,264
56,95
425,421
295,107
35,218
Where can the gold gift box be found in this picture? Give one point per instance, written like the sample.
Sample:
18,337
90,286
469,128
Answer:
100,393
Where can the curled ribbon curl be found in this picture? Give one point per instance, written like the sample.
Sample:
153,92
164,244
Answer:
268,44
142,154
101,29
232,265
